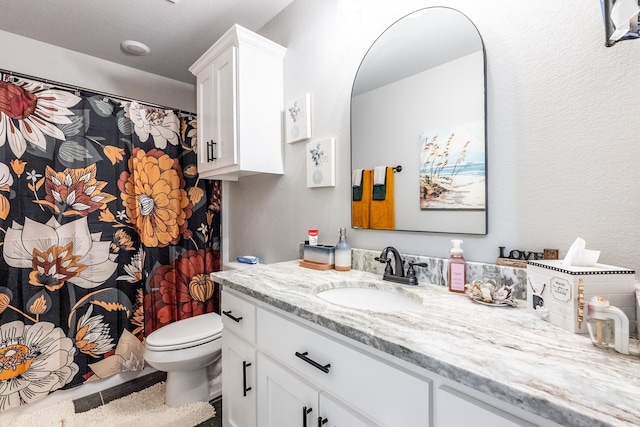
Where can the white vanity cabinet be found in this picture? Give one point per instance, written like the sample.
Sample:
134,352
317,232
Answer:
455,408
378,390
302,374
239,103
238,362
286,399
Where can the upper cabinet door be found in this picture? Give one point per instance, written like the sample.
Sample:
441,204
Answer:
240,102
224,109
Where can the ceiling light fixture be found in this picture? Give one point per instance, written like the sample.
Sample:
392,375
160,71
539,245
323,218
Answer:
135,48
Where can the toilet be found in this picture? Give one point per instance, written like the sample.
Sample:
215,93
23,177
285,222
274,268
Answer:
184,349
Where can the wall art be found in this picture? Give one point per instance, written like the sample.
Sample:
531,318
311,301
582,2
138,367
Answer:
321,163
452,168
297,115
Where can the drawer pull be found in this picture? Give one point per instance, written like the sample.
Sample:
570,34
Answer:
304,357
322,421
245,389
229,315
305,412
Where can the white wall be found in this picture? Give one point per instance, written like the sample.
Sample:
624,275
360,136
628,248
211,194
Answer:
562,126
35,58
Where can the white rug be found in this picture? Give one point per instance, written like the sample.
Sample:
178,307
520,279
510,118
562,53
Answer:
144,408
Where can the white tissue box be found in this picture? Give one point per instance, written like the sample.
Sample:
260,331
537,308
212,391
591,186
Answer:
558,287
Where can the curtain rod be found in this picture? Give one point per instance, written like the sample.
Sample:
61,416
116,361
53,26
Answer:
66,86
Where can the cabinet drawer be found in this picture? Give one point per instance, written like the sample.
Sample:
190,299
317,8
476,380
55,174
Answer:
387,394
239,316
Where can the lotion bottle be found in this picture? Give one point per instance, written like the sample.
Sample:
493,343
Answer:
457,267
343,252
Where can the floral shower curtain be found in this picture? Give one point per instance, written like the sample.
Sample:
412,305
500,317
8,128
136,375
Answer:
106,234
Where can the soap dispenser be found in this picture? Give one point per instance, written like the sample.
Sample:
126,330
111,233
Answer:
608,326
342,259
457,267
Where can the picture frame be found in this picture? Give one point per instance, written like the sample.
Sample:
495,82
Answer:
297,114
321,163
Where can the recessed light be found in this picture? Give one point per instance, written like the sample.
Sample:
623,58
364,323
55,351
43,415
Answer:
135,48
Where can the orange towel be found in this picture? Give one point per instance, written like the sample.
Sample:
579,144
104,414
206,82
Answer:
382,215
360,209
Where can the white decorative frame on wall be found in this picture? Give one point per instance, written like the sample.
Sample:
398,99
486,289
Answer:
297,118
321,163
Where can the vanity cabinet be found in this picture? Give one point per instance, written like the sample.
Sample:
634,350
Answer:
287,399
455,408
238,362
301,374
239,89
376,389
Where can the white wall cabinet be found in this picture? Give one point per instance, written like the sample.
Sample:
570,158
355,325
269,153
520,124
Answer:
304,375
239,103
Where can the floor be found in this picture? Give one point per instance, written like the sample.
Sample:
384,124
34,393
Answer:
96,399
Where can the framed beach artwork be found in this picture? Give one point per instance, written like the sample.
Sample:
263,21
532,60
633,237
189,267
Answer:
453,168
297,116
321,163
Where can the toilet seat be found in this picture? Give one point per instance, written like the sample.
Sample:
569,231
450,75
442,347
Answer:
186,333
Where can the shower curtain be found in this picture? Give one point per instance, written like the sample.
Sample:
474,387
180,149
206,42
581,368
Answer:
106,234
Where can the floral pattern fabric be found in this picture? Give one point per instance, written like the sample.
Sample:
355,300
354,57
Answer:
106,234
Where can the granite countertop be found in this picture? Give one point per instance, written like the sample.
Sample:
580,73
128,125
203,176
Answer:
504,352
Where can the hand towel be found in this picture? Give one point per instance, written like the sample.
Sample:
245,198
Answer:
356,185
360,209
382,214
379,175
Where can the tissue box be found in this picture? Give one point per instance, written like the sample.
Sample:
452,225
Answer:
558,288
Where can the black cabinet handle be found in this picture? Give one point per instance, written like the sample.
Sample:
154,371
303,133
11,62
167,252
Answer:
323,368
322,421
245,389
229,315
305,412
211,154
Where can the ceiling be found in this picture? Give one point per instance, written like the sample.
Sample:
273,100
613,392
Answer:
177,33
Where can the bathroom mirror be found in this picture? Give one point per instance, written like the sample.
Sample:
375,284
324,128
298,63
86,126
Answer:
418,102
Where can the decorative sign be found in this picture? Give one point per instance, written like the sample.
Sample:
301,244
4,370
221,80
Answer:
560,289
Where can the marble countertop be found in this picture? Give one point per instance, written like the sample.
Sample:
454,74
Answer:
504,352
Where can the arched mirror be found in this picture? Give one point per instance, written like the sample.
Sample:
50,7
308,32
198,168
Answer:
418,102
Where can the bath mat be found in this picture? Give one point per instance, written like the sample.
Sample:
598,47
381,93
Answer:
144,408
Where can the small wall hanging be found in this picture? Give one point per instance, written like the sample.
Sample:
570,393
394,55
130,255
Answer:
298,118
321,163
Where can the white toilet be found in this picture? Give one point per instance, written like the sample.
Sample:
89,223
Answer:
183,350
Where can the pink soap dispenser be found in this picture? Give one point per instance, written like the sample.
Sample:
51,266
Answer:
457,267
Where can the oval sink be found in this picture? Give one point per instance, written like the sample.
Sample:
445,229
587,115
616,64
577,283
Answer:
370,299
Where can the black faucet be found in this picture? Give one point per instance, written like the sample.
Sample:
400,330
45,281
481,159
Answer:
398,275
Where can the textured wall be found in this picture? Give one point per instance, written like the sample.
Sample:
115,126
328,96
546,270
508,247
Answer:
562,126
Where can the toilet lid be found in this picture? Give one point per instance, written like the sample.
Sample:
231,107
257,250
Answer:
186,332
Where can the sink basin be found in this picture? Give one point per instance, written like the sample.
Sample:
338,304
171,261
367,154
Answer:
370,299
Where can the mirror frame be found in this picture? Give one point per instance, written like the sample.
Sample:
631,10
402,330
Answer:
482,228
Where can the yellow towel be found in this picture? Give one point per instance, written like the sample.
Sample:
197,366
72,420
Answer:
382,215
360,209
